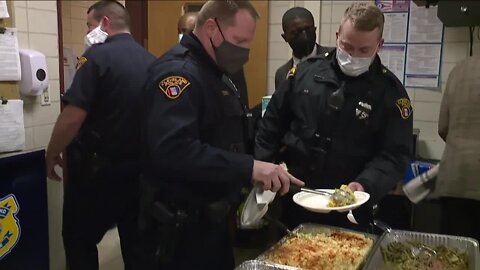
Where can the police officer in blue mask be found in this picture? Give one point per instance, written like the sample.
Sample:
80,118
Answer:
344,119
195,135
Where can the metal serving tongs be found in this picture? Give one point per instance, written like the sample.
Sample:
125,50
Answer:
416,249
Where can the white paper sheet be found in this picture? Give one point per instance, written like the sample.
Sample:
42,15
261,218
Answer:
3,9
12,130
424,26
423,65
393,57
395,27
9,56
424,59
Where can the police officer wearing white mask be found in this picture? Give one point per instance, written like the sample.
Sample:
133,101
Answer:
99,128
344,119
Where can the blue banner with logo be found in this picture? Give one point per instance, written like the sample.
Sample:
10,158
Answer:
23,212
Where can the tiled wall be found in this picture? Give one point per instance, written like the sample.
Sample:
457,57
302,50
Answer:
278,50
36,22
426,103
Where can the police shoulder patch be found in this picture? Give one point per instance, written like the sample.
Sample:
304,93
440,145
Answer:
173,86
405,107
81,61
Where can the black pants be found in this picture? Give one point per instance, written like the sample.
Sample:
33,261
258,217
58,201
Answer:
198,243
97,197
460,217
197,246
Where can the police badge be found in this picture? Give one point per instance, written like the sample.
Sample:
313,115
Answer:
9,224
363,110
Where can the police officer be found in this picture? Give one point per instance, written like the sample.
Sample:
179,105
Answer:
344,118
99,124
186,24
195,142
299,32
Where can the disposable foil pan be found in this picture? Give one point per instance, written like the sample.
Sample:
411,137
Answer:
464,244
310,228
257,265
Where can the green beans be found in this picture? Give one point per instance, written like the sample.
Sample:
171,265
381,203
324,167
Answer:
408,255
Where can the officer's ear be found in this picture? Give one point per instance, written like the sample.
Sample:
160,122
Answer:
210,27
380,45
106,24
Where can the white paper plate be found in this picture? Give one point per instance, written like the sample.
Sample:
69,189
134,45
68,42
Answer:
318,203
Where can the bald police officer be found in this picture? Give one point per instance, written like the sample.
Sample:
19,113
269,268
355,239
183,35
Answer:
100,126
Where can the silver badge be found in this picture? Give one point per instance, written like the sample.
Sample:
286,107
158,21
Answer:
363,110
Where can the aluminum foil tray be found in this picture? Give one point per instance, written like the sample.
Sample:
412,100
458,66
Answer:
257,265
468,245
311,228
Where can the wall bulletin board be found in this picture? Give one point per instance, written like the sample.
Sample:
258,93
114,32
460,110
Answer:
413,43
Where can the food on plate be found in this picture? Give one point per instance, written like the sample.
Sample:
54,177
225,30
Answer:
342,197
406,255
335,250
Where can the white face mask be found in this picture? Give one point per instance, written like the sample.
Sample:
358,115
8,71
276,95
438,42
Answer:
180,37
353,66
95,36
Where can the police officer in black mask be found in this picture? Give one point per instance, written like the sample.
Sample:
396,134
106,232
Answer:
299,32
195,136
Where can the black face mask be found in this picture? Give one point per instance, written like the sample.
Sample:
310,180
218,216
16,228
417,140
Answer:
303,44
230,57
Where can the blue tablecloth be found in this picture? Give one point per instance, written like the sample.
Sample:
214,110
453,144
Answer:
23,212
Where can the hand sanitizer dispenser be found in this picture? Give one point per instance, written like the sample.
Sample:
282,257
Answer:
34,73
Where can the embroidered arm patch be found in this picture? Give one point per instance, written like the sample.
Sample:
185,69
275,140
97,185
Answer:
405,107
173,86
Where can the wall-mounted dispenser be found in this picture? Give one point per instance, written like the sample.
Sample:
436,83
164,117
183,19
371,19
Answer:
34,72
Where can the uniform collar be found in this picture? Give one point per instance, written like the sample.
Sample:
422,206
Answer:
193,44
296,60
119,36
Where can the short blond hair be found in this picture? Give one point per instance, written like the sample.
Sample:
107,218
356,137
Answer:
364,17
224,11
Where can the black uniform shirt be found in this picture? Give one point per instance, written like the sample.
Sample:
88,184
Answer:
107,85
194,130
338,129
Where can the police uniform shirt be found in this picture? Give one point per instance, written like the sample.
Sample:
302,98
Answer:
194,131
107,86
367,139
